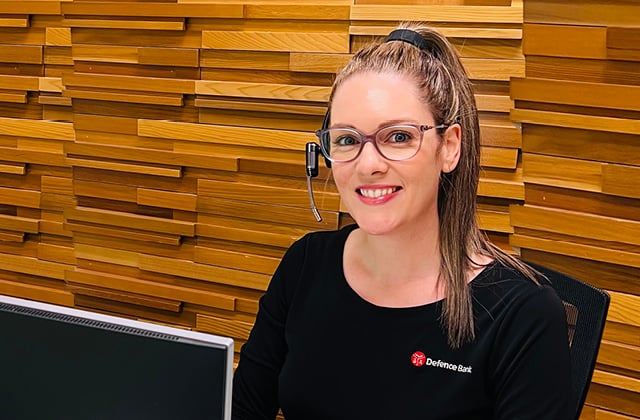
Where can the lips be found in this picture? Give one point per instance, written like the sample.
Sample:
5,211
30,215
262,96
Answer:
377,192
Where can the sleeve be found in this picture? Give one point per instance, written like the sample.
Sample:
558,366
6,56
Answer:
255,381
533,370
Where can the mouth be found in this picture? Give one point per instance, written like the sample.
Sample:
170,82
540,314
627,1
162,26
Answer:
377,192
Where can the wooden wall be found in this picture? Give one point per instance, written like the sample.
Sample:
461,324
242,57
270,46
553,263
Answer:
152,166
579,106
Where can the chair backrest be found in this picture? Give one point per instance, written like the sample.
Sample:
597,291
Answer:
586,307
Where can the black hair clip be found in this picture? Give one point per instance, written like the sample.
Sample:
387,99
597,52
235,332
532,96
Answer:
409,36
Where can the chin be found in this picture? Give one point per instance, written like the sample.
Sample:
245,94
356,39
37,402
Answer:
376,227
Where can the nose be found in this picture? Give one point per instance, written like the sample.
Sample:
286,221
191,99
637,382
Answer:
370,160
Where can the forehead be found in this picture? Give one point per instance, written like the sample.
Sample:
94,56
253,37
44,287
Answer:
367,99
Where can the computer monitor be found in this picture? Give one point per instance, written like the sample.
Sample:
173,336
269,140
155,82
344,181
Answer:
66,363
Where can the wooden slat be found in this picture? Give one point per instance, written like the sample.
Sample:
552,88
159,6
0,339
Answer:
266,194
236,260
228,327
582,144
617,381
495,157
150,288
33,266
20,224
448,31
619,355
168,56
494,221
121,219
36,128
35,292
155,9
263,90
621,180
438,13
489,69
573,249
576,224
299,11
168,199
624,308
576,93
565,41
130,234
588,13
319,42
130,298
87,162
260,212
204,272
134,83
561,172
163,159
158,25
18,21
269,234
27,54
11,82
58,36
221,134
20,197
15,97
13,168
585,122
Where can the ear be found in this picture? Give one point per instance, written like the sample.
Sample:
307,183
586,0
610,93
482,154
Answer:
451,144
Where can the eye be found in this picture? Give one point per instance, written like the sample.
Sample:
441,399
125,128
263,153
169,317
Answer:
398,137
345,140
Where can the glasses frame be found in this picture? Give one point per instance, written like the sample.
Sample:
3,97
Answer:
371,138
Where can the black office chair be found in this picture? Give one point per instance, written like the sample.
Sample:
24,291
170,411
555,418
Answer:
586,307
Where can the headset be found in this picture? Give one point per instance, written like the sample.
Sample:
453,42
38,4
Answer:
313,152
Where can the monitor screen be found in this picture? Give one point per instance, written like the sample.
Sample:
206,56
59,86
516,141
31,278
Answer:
65,363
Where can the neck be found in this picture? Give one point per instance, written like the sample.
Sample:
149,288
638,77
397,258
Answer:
398,269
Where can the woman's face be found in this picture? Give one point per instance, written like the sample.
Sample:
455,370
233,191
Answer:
386,196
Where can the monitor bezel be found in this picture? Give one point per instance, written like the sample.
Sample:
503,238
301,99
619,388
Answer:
134,327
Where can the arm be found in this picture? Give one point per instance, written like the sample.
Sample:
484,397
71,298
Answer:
255,382
533,370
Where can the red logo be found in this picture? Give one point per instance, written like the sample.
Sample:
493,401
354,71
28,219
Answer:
418,359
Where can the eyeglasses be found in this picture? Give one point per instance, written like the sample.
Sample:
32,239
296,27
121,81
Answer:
395,142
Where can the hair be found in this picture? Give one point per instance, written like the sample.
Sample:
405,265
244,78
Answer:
446,89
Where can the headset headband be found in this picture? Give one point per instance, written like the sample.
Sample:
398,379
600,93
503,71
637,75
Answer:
409,36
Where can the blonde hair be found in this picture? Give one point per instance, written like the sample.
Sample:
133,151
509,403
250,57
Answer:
447,91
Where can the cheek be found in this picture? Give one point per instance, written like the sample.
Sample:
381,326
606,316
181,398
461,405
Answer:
340,175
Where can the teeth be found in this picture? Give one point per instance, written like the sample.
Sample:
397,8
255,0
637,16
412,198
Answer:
375,193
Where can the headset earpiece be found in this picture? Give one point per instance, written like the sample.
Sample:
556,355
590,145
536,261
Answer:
312,150
325,125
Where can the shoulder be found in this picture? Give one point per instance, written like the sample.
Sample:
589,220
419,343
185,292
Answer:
500,288
306,256
325,239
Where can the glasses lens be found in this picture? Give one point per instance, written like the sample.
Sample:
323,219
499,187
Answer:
341,144
399,142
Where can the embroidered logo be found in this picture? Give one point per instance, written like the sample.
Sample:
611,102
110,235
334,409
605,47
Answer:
419,359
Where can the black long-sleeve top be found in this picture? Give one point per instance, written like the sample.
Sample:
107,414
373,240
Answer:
319,351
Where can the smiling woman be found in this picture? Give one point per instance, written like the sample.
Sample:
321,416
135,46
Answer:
410,313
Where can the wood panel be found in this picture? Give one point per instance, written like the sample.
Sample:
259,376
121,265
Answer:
152,157
579,107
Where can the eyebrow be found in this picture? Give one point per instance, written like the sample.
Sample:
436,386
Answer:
383,124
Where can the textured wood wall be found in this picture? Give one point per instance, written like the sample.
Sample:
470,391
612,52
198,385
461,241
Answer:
579,106
151,158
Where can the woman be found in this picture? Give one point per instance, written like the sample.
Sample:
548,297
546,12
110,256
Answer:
411,313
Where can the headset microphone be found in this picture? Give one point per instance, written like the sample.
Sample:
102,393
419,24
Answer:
312,151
